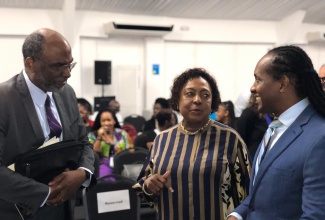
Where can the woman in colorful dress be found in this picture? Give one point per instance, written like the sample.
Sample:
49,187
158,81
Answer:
108,139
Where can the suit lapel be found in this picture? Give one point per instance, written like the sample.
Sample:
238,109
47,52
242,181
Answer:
65,120
253,169
29,107
285,140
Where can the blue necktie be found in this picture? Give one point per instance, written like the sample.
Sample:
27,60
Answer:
266,139
55,127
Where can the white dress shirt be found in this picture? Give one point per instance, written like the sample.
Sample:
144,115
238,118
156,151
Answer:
39,98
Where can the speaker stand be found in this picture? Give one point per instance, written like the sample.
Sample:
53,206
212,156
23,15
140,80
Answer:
102,90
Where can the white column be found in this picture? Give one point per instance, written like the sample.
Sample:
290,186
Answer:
70,32
154,83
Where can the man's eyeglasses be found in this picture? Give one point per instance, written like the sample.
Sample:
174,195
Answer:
60,67
322,79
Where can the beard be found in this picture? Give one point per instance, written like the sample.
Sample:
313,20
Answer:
55,88
47,85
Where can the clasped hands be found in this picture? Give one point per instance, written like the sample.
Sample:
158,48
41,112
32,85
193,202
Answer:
156,182
64,185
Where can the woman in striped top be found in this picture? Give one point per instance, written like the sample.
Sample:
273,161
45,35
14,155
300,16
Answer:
198,169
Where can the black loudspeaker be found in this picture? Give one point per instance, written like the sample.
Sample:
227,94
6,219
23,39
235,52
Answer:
103,72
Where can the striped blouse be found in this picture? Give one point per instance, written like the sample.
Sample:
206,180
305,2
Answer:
209,172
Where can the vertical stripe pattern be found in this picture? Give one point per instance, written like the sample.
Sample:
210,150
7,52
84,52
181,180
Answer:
55,127
200,172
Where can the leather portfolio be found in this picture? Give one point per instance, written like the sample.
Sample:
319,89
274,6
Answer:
44,164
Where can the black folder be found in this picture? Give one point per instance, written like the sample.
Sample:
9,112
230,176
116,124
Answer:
44,164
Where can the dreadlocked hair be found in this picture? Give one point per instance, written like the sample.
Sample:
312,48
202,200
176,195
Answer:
294,63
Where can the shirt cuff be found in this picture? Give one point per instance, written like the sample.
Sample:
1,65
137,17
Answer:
236,215
46,197
87,181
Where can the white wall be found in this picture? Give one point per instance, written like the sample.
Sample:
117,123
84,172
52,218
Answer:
127,56
229,50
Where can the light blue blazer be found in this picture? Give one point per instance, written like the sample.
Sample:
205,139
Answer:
290,183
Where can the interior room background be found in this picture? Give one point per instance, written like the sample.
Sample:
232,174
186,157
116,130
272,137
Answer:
228,49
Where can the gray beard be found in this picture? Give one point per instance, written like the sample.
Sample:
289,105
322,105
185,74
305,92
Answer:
55,89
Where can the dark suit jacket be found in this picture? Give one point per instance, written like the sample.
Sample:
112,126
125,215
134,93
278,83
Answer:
20,132
290,181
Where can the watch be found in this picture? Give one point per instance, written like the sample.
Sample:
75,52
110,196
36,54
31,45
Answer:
87,175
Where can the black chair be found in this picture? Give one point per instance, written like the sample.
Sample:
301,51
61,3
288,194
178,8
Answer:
96,165
136,120
131,156
105,210
142,139
134,157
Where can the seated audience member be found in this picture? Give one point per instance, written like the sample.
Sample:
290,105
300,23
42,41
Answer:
160,103
114,105
321,75
85,111
226,114
251,126
108,139
164,120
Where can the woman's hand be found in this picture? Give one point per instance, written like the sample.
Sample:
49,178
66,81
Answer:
155,183
101,132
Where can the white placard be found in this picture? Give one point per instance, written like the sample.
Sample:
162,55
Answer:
113,201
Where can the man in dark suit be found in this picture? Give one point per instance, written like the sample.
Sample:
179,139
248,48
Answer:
289,182
24,127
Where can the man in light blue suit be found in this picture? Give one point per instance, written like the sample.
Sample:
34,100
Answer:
290,182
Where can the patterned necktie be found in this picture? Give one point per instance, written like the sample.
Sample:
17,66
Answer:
266,139
55,127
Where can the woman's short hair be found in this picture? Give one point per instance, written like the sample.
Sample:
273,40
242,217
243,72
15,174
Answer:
163,102
86,104
164,115
181,80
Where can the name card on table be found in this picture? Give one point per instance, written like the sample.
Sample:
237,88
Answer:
113,201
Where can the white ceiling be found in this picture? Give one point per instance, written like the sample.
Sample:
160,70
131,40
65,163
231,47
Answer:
270,10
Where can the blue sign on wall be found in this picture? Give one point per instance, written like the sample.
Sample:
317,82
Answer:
155,69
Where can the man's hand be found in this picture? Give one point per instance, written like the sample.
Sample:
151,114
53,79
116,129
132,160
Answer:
156,182
64,185
232,218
